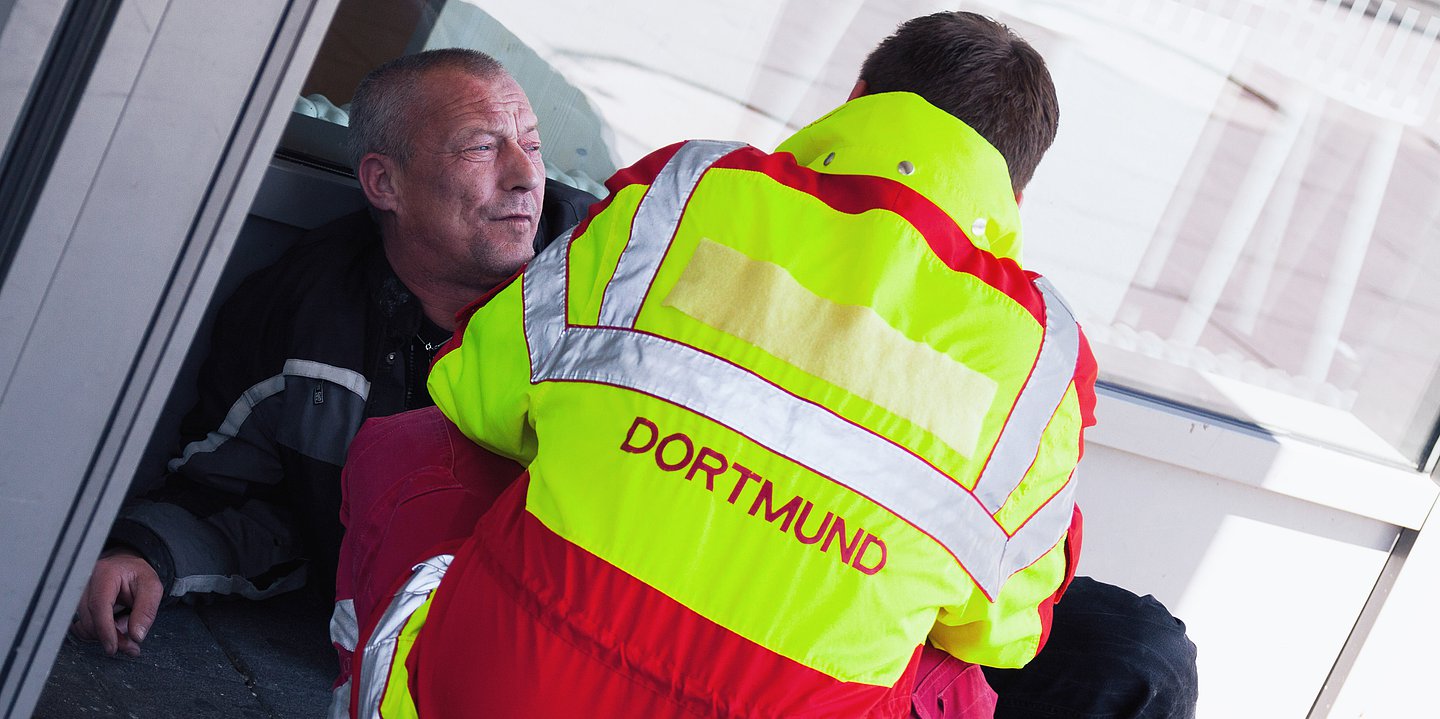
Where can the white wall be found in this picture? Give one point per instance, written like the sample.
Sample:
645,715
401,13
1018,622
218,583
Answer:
1269,584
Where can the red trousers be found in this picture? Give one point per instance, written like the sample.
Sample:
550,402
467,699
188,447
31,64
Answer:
414,487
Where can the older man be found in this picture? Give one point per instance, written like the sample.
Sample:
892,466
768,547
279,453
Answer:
342,328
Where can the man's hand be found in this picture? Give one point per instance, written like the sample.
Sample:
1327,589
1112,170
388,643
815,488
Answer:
122,582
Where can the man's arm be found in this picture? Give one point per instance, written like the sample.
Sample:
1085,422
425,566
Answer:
218,523
120,602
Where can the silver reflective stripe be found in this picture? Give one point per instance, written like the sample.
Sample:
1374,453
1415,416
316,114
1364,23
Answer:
379,652
347,378
1040,533
543,287
1019,441
340,701
654,224
235,584
344,632
344,626
264,389
239,412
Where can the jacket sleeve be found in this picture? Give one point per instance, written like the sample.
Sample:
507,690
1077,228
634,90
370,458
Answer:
1009,629
220,522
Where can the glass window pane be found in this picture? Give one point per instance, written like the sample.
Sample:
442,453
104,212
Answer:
1243,207
1242,204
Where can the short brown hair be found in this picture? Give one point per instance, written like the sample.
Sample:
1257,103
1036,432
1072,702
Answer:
379,109
979,71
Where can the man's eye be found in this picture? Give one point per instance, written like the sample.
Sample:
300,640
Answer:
532,149
479,148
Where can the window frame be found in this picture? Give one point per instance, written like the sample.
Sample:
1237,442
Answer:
133,220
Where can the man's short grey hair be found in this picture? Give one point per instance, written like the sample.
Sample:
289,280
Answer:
380,109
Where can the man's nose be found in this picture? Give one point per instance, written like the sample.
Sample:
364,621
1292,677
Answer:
519,169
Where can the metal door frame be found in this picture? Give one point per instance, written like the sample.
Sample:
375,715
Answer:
132,215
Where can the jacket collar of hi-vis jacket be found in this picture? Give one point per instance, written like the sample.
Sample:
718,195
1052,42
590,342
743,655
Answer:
898,135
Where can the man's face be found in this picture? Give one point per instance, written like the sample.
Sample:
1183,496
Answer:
471,190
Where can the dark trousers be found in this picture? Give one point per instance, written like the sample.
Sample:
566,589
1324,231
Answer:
1111,654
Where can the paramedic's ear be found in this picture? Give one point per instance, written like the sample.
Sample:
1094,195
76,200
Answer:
376,174
1019,197
860,89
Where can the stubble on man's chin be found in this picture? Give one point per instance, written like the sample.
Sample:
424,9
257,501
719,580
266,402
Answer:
503,258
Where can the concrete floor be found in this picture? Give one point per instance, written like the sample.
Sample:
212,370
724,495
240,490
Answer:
225,659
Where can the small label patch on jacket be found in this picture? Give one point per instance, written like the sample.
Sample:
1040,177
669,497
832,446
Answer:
318,396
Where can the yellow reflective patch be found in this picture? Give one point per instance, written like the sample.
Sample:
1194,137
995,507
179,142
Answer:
761,303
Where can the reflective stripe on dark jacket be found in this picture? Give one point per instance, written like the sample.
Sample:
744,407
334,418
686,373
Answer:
301,354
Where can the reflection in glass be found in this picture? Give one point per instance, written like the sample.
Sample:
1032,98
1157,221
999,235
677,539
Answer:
1257,196
1242,204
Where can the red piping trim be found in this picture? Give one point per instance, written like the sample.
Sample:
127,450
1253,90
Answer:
855,194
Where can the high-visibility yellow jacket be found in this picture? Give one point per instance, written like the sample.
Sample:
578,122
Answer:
804,409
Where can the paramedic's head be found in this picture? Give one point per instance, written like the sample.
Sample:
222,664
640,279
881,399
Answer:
446,147
979,71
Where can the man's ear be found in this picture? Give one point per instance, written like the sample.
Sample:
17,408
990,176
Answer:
1019,197
861,87
377,178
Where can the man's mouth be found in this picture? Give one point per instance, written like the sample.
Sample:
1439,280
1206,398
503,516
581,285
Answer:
517,215
518,219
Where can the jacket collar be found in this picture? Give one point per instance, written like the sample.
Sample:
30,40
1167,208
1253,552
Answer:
952,164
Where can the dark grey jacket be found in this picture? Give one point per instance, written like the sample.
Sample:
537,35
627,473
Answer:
302,353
